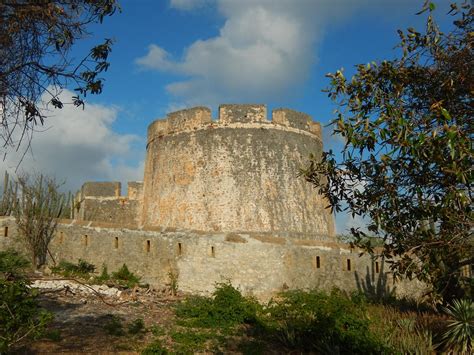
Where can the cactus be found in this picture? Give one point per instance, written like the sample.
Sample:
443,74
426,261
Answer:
9,198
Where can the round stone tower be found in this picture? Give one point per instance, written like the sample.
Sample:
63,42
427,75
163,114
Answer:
236,174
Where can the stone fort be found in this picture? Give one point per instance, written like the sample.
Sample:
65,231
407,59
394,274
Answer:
221,200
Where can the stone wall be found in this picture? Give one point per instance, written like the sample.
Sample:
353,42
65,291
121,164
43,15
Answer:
102,202
258,264
236,174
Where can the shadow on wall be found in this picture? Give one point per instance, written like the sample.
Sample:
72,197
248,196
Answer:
375,283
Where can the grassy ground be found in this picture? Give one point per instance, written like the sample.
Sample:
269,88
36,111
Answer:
228,323
143,321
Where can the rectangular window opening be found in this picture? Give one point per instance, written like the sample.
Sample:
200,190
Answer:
377,267
213,252
148,246
116,243
348,264
318,262
5,232
180,249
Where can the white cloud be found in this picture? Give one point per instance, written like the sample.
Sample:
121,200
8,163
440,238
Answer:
188,4
157,58
264,50
76,145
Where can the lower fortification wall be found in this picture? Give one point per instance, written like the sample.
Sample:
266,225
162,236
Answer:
257,264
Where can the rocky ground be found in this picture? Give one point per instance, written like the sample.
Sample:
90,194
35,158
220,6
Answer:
97,318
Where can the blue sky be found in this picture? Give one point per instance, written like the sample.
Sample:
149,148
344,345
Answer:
172,54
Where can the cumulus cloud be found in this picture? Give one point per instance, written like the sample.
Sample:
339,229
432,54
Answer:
264,50
76,145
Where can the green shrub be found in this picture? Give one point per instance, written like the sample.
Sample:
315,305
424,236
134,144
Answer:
157,330
173,280
407,332
460,332
82,269
114,326
103,277
20,315
155,348
189,342
136,327
53,335
227,308
12,264
125,277
321,322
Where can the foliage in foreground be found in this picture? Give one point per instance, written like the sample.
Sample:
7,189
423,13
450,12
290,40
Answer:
226,308
304,321
307,321
20,315
323,322
407,162
36,39
459,336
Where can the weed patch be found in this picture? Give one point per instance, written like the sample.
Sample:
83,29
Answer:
226,309
155,348
114,326
125,278
82,269
321,322
136,327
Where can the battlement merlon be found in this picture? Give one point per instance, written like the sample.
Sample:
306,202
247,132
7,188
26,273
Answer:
111,189
180,121
242,114
135,190
295,119
194,118
101,189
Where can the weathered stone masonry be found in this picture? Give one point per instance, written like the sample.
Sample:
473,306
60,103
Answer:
220,201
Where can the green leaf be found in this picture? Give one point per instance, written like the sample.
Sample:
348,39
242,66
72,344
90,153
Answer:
445,113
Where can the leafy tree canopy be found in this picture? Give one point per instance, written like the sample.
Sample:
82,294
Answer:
406,166
36,37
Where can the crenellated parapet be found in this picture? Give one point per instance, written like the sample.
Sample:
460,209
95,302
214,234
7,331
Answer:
238,172
101,189
102,201
294,119
182,120
232,115
242,114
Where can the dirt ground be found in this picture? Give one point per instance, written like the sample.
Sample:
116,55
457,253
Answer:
83,322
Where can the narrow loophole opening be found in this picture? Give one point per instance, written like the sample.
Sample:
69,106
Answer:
318,262
61,237
148,246
86,240
213,252
116,243
180,249
5,232
348,264
377,267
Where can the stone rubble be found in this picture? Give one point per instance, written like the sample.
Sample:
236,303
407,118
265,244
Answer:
69,285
